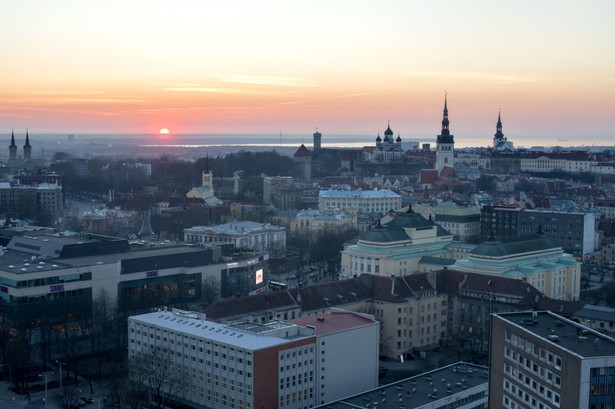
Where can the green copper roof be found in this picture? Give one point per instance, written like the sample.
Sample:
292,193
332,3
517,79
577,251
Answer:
514,245
384,234
409,219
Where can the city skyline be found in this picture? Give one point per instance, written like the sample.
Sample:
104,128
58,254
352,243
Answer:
346,68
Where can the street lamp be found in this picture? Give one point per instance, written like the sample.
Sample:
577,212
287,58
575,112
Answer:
60,363
45,376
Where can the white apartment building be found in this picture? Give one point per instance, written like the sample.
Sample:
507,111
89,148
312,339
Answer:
248,365
359,201
542,360
243,234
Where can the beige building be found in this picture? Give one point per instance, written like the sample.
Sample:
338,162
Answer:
532,258
310,224
359,201
397,248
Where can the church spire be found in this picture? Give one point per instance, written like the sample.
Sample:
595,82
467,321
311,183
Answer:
498,130
445,135
12,146
27,149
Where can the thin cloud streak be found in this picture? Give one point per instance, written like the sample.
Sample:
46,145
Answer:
218,90
481,76
264,80
73,100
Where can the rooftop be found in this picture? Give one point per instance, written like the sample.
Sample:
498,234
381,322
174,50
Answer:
419,390
235,228
565,334
363,194
333,321
249,336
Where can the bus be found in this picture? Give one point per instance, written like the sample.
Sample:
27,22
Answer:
276,285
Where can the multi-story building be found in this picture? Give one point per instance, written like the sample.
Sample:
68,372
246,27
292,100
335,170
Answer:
459,385
396,248
462,222
310,224
242,234
359,201
606,206
574,231
533,258
246,365
499,221
542,360
55,278
31,201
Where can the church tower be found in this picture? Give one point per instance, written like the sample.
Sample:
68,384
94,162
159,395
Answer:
12,147
27,149
445,143
207,176
499,136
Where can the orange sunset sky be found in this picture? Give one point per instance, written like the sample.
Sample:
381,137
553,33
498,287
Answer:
346,67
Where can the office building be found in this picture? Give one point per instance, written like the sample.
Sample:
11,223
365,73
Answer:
574,231
247,365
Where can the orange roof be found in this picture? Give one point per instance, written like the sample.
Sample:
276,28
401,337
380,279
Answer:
332,322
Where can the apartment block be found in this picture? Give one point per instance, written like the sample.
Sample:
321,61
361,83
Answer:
248,365
542,360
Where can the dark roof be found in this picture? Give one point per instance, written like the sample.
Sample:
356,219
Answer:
390,289
302,151
409,219
241,306
437,260
446,138
384,234
514,245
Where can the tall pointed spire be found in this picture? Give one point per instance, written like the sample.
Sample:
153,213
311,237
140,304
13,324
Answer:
445,135
12,146
27,149
498,130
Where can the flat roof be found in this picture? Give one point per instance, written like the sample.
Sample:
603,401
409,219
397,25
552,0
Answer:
363,194
419,390
333,321
195,325
571,336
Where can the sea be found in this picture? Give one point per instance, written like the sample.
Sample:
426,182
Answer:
198,145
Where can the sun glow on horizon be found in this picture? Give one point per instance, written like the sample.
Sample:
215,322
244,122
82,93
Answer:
164,131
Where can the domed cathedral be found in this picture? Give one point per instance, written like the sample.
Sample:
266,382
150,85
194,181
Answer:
445,144
389,148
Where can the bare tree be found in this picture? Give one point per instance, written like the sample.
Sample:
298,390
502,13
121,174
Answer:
211,290
163,380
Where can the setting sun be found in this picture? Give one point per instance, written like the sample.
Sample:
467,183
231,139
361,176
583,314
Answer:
164,131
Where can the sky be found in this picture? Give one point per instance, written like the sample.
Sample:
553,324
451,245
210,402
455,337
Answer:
344,67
